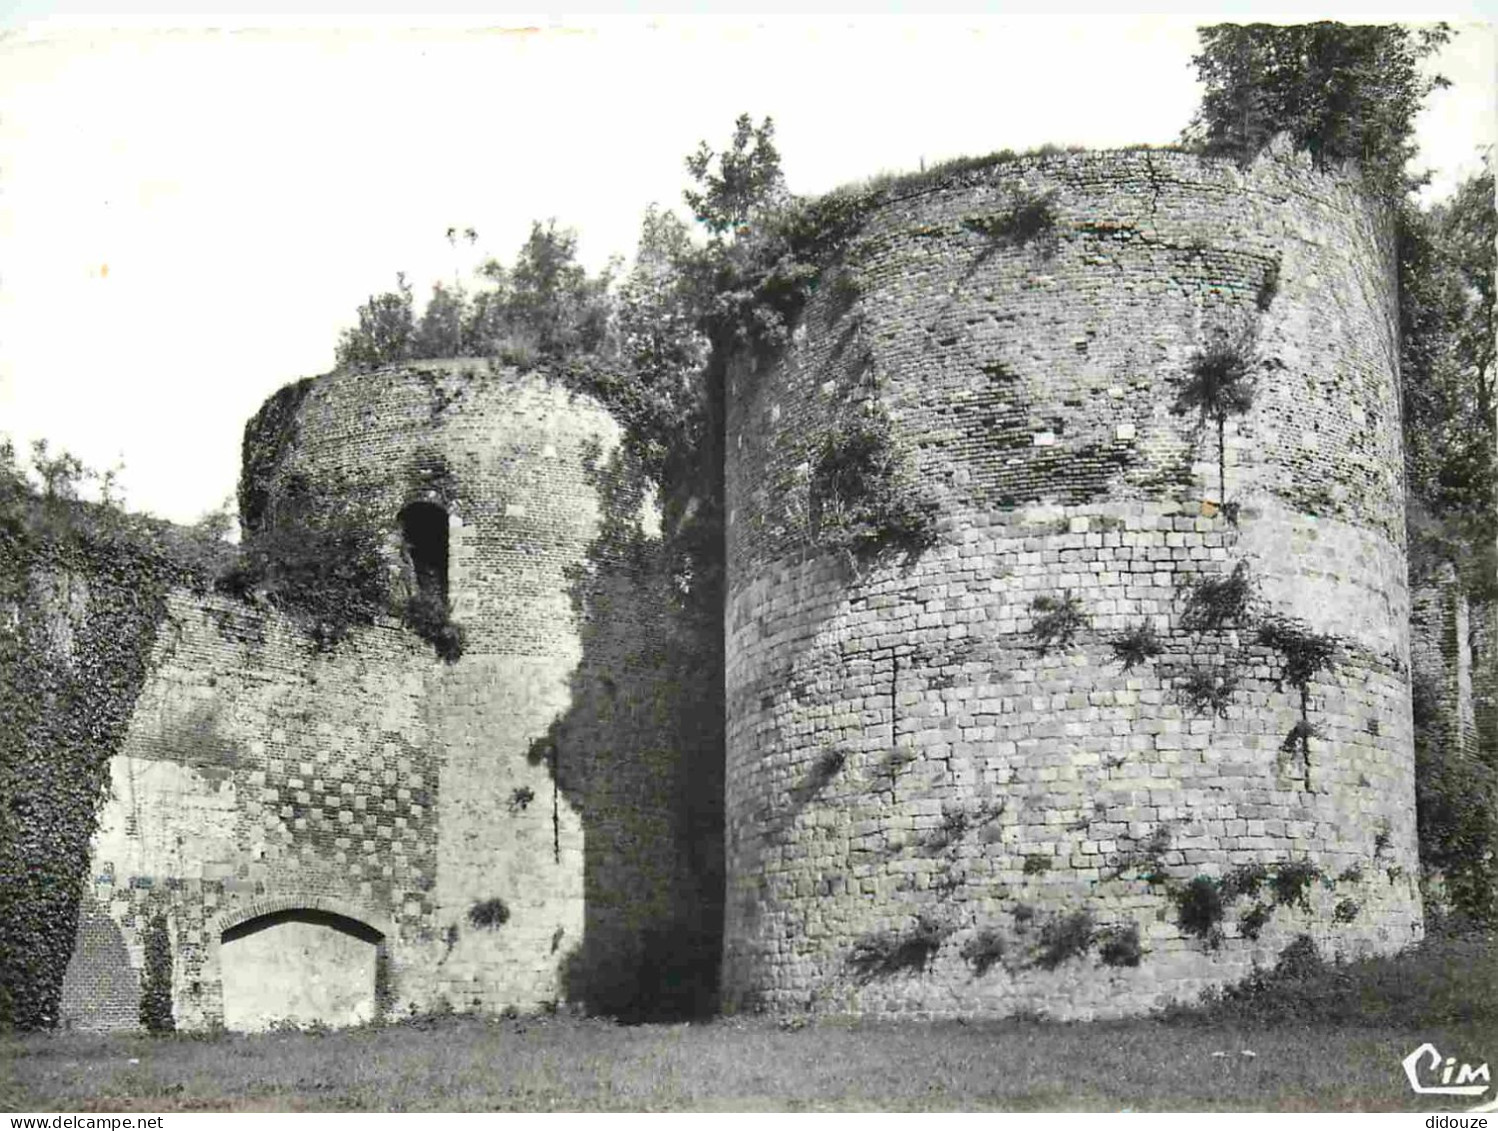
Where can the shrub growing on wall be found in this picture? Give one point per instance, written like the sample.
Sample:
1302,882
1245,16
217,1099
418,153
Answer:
1057,620
1456,811
428,615
318,558
887,953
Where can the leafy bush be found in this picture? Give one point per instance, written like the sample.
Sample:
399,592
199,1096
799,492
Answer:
1291,883
1218,383
318,558
1147,859
1346,911
1119,946
1416,988
1246,880
1298,739
888,953
1037,863
1135,645
1306,654
1028,219
429,616
156,978
953,827
1299,959
1063,937
827,766
1200,910
1056,620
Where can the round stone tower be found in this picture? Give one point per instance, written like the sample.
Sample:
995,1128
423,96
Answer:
1112,737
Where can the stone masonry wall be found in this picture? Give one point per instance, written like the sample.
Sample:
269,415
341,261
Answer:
920,799
260,773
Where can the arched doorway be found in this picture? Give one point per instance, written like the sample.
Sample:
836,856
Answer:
301,965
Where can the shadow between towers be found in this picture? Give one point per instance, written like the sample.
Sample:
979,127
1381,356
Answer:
639,755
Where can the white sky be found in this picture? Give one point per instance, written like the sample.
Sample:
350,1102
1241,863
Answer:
188,217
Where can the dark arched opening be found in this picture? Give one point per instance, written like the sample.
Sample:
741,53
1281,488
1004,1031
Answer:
424,529
302,965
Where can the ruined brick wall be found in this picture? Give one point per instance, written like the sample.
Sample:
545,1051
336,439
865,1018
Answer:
904,763
373,788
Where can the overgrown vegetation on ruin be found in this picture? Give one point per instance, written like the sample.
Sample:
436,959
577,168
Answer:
318,560
321,560
1202,903
82,590
1136,645
1216,602
1028,219
489,914
1064,936
655,350
1120,945
1055,621
1342,92
886,953
1447,270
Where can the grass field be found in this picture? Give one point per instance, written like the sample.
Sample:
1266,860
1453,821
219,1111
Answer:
1322,1040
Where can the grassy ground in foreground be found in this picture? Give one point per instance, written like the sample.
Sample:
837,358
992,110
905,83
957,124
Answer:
1323,1038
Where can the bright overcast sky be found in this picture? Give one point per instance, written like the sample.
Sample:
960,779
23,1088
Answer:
188,217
